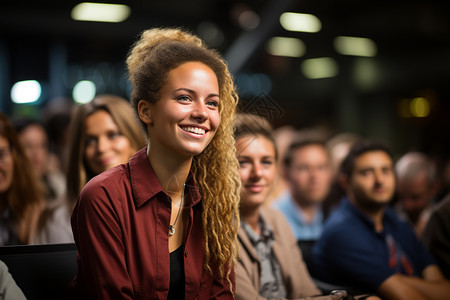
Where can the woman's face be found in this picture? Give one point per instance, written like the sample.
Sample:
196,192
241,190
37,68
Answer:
105,146
35,143
6,165
256,155
185,118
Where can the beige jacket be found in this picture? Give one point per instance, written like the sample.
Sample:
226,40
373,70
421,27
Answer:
296,278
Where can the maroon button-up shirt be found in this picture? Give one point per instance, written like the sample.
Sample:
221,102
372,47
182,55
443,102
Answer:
120,225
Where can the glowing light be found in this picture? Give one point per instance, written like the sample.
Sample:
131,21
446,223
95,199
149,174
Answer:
323,67
83,91
249,20
357,46
300,22
283,46
27,91
419,107
100,12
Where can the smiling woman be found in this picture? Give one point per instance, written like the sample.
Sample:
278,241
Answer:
21,201
164,225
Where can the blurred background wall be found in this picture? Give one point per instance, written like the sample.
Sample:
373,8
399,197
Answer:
375,68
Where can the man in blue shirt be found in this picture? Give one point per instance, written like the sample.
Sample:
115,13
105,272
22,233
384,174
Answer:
308,174
364,245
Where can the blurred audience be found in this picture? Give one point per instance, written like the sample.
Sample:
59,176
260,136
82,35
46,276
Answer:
364,245
101,135
33,136
417,186
338,147
436,235
308,174
283,136
21,200
270,263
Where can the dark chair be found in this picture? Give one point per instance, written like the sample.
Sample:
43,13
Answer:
41,271
306,246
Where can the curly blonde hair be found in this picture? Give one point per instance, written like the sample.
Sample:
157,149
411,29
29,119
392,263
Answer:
152,57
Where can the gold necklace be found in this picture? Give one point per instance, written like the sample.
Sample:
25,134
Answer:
172,227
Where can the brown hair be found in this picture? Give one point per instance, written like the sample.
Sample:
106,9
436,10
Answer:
122,114
254,125
153,56
23,199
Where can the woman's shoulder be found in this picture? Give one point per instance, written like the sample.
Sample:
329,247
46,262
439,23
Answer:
274,217
110,182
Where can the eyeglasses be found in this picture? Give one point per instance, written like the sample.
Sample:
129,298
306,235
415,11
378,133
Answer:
5,154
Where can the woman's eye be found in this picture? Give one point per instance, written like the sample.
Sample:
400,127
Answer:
183,98
113,135
91,141
267,162
242,162
213,103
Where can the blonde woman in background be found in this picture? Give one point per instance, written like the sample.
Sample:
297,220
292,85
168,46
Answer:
102,134
163,226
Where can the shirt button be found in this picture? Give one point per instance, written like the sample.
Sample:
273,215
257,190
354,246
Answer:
185,253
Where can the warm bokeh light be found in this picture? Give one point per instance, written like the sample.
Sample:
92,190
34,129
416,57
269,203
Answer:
27,91
84,91
356,46
420,107
300,22
100,12
284,46
323,67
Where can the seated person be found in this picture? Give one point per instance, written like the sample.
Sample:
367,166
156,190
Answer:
8,286
417,186
270,264
308,174
436,236
364,245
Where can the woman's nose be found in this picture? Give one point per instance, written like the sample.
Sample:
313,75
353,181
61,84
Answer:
103,144
200,111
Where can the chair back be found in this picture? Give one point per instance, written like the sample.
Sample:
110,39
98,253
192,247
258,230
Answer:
41,271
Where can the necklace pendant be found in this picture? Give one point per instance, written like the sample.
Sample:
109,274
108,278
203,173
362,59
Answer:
171,230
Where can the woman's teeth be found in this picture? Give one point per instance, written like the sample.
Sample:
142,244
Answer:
195,130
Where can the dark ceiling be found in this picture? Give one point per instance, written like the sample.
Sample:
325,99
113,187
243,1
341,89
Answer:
412,37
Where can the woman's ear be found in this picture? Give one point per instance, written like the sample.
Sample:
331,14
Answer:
144,111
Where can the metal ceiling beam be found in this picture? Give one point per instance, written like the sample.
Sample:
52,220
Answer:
249,41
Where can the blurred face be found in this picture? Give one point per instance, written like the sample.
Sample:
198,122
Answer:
372,183
185,118
105,146
256,156
309,175
416,194
6,165
35,143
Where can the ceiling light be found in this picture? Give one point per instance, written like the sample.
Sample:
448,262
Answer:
323,67
300,22
84,91
100,12
283,46
357,46
27,91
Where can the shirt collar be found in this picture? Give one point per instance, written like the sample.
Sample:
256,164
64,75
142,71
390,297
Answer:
145,184
387,217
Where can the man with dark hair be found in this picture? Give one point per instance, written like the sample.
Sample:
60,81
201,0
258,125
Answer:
364,245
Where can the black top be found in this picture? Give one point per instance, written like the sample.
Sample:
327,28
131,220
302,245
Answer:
176,289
